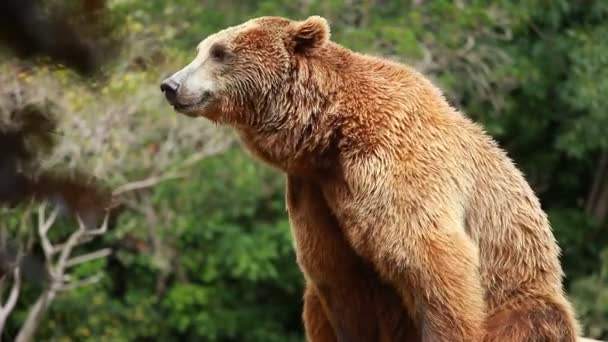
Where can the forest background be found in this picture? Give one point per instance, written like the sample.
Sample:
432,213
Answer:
201,249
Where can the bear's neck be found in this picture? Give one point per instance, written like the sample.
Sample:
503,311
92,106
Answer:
337,102
297,128
299,149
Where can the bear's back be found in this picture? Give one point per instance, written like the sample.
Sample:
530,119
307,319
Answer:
395,112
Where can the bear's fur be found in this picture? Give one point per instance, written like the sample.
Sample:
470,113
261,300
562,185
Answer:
392,193
359,305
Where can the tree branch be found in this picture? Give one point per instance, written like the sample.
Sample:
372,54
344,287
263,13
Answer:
84,282
145,183
59,281
43,228
7,308
102,253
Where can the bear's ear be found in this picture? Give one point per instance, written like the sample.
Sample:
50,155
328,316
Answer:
309,34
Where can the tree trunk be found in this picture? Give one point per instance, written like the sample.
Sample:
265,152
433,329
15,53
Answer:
35,316
597,203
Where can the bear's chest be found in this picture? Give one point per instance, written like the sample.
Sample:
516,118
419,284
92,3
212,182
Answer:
321,248
353,214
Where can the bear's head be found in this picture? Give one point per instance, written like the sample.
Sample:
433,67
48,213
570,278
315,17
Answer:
240,74
271,79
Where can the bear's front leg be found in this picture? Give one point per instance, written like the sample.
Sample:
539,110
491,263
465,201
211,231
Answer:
316,325
342,290
414,236
436,274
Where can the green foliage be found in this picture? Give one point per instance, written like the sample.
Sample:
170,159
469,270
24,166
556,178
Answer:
232,273
213,260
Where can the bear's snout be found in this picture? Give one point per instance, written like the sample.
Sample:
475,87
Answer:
169,87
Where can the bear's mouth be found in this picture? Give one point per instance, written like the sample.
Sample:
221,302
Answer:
189,107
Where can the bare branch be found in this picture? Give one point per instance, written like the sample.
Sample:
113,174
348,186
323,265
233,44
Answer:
7,308
34,316
145,183
14,294
84,282
468,46
60,281
44,225
102,253
67,249
49,222
151,181
101,230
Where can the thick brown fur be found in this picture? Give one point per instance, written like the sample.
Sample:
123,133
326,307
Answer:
359,306
416,189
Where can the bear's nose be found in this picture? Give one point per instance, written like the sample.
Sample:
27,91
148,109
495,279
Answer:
169,87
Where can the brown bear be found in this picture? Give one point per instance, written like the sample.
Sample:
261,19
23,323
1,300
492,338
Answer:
409,221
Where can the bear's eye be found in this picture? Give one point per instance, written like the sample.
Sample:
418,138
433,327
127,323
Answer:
218,52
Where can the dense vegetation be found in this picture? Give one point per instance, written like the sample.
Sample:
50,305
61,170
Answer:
208,256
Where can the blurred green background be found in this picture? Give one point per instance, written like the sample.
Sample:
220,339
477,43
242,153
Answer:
208,256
